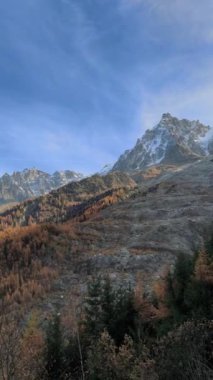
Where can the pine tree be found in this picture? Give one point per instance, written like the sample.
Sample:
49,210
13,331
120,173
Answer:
108,300
178,282
125,315
93,323
54,349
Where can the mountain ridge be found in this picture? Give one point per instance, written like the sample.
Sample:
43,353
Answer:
171,141
29,183
67,201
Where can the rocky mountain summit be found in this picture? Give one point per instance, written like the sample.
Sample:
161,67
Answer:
33,182
171,141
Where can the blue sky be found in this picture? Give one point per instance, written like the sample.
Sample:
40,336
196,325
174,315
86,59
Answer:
81,80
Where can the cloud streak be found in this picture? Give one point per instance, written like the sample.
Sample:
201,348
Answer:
193,18
81,79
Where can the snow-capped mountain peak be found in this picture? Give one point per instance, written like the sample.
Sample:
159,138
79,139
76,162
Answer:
170,141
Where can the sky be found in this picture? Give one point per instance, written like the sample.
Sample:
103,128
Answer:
81,80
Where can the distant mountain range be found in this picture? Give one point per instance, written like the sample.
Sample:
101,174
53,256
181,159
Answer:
171,141
69,201
33,182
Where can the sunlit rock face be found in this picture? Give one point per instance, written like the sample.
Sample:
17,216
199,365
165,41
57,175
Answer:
172,141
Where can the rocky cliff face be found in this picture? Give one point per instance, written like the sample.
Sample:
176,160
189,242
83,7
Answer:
172,141
31,183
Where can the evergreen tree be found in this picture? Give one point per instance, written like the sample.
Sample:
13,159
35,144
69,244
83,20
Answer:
190,290
108,303
92,309
178,282
54,349
125,315
109,308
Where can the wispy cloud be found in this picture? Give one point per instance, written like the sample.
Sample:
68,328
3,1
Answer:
181,103
81,79
180,79
192,98
193,17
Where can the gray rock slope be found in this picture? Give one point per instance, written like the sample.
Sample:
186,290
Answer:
145,233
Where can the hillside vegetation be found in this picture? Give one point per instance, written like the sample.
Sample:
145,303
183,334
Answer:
120,333
66,202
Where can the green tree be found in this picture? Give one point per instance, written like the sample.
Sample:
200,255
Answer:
54,349
125,315
107,301
92,309
109,308
178,282
190,287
